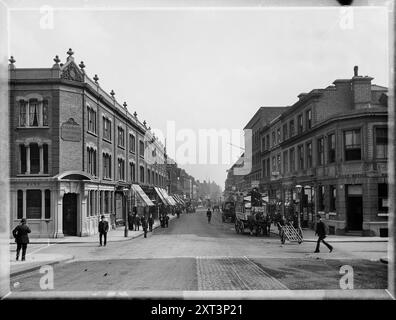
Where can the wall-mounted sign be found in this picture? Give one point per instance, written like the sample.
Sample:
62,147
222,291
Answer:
71,131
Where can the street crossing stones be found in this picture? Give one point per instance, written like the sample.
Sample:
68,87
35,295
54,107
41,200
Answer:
233,273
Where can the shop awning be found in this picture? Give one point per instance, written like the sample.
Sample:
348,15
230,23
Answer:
158,190
180,199
142,195
168,197
176,199
165,196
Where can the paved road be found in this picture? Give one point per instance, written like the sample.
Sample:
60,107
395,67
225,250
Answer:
194,255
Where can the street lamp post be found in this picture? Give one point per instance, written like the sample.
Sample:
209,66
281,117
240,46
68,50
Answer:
126,212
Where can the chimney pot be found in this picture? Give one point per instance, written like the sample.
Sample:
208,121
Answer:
355,71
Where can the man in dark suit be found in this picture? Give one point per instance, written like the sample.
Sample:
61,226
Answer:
321,233
103,228
20,234
151,222
144,225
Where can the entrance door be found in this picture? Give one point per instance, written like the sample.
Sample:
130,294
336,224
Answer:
70,214
355,213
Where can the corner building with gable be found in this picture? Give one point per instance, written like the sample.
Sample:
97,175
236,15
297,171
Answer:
74,151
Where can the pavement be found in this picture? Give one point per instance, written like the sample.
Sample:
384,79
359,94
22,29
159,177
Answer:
35,261
309,236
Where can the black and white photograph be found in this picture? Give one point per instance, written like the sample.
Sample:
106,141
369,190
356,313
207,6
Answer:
197,150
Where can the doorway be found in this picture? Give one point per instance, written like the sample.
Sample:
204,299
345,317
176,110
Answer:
70,214
355,213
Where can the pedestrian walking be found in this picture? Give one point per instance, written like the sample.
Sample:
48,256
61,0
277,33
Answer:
166,221
144,225
20,234
151,222
137,222
209,215
103,228
321,233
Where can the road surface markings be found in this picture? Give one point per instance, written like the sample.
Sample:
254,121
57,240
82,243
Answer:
233,273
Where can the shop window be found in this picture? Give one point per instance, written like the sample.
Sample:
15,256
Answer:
381,143
383,205
352,145
19,204
33,204
331,148
47,205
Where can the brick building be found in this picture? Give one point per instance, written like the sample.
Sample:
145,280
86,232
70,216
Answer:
327,153
75,152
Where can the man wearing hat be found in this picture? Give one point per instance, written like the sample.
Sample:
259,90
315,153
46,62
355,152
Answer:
20,234
103,229
321,233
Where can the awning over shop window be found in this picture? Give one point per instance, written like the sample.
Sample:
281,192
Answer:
165,196
176,199
158,190
180,199
168,197
142,195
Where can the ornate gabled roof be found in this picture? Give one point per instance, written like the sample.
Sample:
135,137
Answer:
70,71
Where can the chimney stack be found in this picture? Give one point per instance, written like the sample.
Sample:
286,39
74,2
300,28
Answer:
361,90
355,71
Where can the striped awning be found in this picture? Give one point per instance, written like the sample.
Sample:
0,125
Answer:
142,195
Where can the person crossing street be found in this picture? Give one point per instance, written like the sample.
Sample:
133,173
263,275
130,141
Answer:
321,233
209,214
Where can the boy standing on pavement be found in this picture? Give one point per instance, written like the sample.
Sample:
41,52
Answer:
20,234
321,233
103,229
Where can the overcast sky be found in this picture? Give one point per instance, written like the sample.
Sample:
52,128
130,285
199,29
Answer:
208,69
